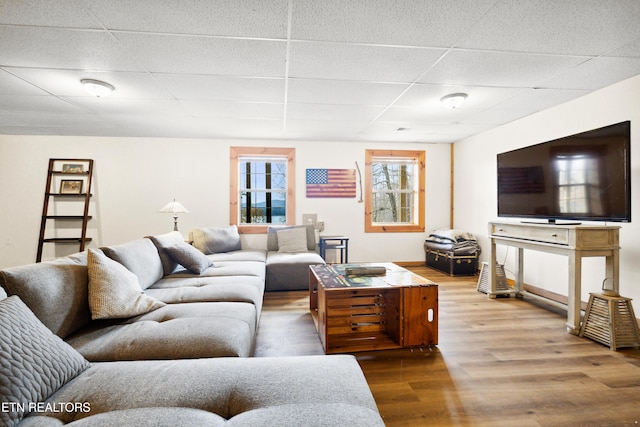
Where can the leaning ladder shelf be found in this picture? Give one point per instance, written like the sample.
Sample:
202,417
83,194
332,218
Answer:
82,172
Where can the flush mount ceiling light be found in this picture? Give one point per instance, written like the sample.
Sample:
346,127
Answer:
453,100
97,88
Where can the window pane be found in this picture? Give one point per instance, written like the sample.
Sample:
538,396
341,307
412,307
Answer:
393,191
263,186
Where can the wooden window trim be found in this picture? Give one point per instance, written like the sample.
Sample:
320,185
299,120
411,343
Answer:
234,205
369,226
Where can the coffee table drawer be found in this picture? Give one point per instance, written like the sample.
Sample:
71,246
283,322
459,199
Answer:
350,312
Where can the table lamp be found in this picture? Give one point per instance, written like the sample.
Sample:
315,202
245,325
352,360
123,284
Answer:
174,208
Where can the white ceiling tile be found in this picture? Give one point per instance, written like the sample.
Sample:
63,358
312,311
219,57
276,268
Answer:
540,99
48,118
206,55
437,114
631,49
241,18
240,89
595,74
479,97
474,68
571,27
130,106
433,132
332,113
408,23
319,129
67,82
242,110
37,103
496,116
40,47
340,92
12,85
360,62
238,128
59,13
152,125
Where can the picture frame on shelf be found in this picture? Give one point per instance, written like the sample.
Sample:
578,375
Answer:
71,186
72,168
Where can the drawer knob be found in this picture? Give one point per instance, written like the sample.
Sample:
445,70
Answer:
554,235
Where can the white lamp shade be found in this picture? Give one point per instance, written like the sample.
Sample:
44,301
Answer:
174,208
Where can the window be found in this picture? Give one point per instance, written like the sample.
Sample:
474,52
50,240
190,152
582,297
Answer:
394,196
262,188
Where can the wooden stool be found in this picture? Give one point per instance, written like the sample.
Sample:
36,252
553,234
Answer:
610,320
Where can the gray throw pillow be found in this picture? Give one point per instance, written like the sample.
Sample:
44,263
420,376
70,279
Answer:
162,241
35,362
216,240
188,257
114,291
292,240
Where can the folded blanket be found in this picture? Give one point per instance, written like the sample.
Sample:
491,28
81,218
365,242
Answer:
459,242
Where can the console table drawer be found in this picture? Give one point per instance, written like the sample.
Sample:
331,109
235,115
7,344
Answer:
558,236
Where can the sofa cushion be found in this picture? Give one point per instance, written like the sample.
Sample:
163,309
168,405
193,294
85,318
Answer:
241,255
175,331
56,292
272,236
189,257
35,363
162,241
140,257
231,387
114,291
290,271
292,240
172,290
145,417
309,415
216,239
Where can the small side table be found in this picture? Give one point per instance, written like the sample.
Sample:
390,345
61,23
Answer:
340,243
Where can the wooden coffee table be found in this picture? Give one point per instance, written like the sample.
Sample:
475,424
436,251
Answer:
362,313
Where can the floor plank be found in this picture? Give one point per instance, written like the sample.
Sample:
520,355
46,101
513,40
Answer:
499,362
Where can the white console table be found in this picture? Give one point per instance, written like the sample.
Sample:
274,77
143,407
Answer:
573,241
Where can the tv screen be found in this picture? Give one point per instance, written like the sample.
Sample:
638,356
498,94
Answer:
579,177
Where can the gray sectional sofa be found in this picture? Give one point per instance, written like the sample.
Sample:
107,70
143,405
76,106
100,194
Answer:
156,332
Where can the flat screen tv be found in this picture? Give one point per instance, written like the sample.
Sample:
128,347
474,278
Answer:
583,177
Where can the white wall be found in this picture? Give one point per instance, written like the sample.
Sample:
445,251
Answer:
475,185
135,177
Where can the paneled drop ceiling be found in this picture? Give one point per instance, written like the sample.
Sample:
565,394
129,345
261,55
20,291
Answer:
344,70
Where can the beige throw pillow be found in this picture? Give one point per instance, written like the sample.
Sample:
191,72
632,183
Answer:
292,240
114,291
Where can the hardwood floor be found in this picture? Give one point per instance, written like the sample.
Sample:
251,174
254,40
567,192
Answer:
500,362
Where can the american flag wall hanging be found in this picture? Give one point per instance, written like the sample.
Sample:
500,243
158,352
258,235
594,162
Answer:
331,183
